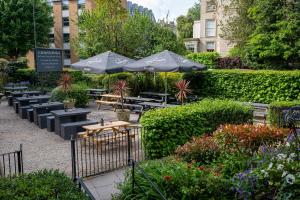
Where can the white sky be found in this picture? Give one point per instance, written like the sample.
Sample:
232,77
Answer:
160,7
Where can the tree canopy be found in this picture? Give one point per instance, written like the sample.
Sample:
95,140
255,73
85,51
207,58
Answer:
267,33
185,23
109,27
16,26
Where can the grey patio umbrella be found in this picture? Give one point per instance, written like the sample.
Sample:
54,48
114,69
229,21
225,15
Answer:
165,61
104,63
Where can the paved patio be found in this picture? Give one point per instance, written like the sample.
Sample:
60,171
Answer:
41,149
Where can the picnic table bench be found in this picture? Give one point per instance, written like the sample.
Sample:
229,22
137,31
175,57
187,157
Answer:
108,99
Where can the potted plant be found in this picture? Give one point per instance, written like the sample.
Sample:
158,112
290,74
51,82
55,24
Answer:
183,87
120,89
65,83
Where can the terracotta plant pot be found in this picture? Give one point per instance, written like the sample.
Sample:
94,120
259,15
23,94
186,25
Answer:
123,115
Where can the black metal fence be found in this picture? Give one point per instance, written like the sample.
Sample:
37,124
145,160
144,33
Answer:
106,151
11,163
79,182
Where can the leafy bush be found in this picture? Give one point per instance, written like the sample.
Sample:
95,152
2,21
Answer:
209,59
247,85
40,185
248,138
202,150
275,112
166,129
176,180
230,63
77,92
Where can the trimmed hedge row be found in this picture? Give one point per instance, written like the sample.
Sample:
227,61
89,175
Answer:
40,185
264,86
166,129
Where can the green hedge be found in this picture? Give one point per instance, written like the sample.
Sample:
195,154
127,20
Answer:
275,115
209,59
40,185
263,86
78,92
166,129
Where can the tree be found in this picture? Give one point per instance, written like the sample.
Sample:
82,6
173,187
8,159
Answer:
136,37
16,26
100,29
185,23
275,42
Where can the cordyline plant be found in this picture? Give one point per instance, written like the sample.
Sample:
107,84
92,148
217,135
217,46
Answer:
120,88
65,82
183,87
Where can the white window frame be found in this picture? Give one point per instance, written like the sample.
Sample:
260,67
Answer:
214,29
214,48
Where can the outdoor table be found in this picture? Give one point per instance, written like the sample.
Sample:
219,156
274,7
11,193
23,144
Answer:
25,101
139,99
9,89
74,115
96,92
14,95
157,94
155,105
98,128
45,108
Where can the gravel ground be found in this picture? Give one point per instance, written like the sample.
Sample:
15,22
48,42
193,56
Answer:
41,149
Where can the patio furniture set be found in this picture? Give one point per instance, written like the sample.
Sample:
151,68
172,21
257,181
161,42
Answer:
38,109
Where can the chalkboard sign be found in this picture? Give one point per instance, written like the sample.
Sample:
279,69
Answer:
48,60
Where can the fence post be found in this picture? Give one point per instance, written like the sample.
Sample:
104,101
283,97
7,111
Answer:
133,182
73,156
128,146
20,160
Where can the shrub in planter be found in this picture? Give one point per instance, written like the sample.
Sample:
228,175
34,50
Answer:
77,92
248,138
201,150
275,112
209,59
166,129
40,185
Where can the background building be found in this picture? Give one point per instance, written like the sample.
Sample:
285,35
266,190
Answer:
207,31
65,26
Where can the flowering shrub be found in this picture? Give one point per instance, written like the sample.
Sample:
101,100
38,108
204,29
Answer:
248,138
201,150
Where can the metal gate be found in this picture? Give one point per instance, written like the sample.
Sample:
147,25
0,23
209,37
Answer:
11,163
106,152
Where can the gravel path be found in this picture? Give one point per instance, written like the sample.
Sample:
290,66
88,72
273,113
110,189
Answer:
41,149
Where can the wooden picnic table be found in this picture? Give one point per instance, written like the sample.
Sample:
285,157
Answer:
155,105
114,126
108,99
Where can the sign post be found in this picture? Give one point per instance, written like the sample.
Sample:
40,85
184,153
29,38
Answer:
48,64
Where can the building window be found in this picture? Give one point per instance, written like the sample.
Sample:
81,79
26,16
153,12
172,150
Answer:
210,6
67,54
66,37
190,48
51,38
66,21
210,46
210,28
65,4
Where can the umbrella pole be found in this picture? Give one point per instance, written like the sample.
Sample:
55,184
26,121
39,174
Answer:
108,83
166,87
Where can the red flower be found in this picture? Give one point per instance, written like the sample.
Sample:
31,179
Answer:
168,178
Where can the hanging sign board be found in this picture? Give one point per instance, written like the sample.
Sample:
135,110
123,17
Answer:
48,60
